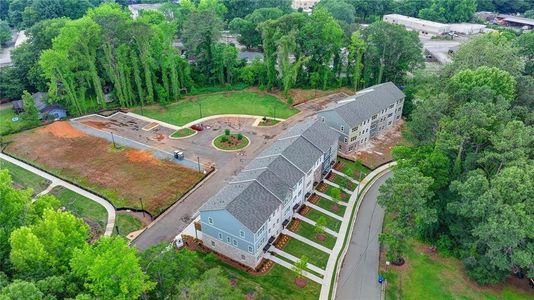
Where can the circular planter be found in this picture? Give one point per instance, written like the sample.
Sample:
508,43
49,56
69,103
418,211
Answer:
232,145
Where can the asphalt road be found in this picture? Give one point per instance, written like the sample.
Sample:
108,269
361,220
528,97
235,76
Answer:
359,273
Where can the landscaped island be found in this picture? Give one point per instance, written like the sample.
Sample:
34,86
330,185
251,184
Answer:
231,141
237,102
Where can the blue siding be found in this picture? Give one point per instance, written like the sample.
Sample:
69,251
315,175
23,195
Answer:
228,227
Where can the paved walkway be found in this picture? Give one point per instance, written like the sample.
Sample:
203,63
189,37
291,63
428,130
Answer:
324,211
333,270
312,222
295,259
55,181
345,175
306,241
289,266
46,191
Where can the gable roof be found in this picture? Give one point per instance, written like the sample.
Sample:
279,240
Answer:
267,181
356,109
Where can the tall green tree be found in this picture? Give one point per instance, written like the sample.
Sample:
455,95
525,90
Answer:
449,11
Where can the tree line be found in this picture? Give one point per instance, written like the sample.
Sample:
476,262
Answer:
466,182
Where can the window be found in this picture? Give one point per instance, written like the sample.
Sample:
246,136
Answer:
398,117
390,115
391,106
338,147
342,128
228,240
250,249
352,139
235,242
241,233
322,119
345,140
213,243
220,236
374,117
210,220
389,123
242,257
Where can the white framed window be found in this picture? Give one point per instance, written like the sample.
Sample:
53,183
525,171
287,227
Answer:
322,119
242,257
220,236
250,249
228,240
241,233
235,242
342,128
213,243
345,140
210,220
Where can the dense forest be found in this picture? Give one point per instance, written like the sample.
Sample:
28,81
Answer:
466,181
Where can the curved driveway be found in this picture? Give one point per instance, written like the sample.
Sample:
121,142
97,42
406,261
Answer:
359,272
55,181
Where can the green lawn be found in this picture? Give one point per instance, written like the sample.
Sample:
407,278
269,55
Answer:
308,231
184,132
297,248
23,178
354,169
327,204
278,283
291,262
236,102
82,207
344,182
268,122
428,276
7,126
126,224
331,223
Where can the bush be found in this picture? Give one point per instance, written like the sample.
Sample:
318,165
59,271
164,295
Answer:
289,100
227,132
239,136
224,139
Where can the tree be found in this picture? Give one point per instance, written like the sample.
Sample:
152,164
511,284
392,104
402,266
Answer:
525,43
46,247
110,269
288,71
247,27
30,111
487,50
11,86
405,196
464,82
320,226
391,52
449,11
5,33
300,265
169,269
21,290
340,10
212,285
356,51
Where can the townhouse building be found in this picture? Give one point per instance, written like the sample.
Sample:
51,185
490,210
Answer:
363,116
246,215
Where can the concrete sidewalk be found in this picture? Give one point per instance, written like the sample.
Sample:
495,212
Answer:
55,181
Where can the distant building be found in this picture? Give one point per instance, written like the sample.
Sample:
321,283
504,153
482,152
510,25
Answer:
250,56
305,5
514,21
48,111
247,215
136,9
363,116
17,39
430,28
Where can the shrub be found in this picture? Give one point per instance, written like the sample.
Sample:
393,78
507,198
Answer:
227,132
239,136
224,139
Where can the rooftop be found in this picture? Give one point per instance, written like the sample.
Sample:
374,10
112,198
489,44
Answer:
360,107
267,181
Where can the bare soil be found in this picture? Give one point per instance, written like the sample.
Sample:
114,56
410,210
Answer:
301,282
123,176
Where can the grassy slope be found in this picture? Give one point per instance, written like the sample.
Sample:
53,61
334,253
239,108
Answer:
81,206
278,283
327,204
308,231
7,126
23,178
331,223
127,224
298,249
241,102
427,276
353,169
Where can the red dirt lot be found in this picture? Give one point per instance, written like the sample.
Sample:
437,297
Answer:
124,176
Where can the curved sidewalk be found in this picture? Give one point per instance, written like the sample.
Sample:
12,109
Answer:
55,181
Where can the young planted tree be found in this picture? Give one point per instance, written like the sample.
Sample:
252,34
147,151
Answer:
320,228
299,267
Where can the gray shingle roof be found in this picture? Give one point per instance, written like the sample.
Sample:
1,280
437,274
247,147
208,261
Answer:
356,109
255,193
